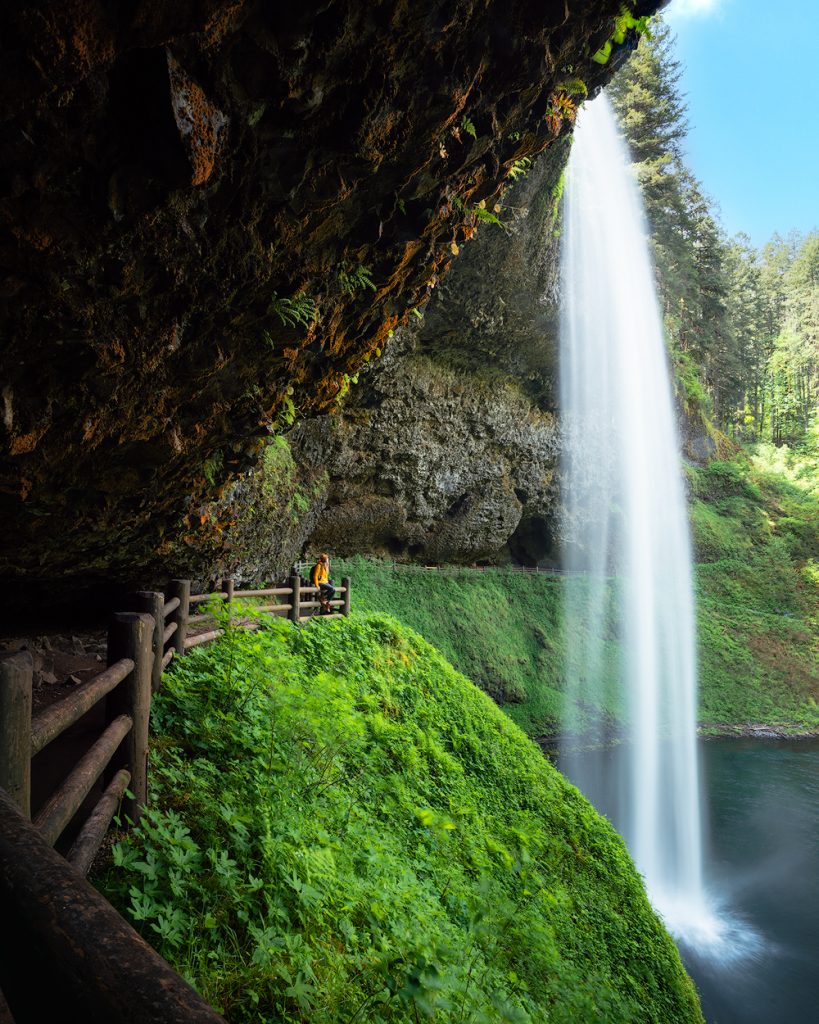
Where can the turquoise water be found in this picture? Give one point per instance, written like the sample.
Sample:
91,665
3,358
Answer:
761,868
763,864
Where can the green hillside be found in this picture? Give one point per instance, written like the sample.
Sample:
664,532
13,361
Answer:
755,522
756,532
347,829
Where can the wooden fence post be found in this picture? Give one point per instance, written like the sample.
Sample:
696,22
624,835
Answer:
295,599
129,636
182,590
151,602
345,608
16,672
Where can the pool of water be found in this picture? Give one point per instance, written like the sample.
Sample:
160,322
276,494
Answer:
761,800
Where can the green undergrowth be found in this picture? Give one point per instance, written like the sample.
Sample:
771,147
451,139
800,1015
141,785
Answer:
344,828
504,630
756,533
755,524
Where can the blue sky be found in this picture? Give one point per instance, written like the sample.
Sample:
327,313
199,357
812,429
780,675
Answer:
752,88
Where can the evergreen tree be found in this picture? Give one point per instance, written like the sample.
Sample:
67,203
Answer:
688,246
746,322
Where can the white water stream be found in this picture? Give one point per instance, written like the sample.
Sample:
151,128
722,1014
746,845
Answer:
626,514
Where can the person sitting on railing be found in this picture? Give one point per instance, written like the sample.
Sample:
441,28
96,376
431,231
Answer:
320,577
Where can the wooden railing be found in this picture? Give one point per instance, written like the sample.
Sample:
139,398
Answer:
119,753
81,933
296,601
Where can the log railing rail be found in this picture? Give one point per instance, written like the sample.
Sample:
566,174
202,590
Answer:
142,642
296,601
94,967
125,686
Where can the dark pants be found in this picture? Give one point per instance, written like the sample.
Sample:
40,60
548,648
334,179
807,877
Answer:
326,592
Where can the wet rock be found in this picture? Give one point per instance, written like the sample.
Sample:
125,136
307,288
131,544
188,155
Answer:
448,450
198,164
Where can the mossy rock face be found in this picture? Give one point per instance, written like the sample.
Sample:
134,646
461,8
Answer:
186,185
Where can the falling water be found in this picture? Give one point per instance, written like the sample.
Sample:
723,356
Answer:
626,517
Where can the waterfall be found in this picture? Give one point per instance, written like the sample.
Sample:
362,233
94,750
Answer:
627,532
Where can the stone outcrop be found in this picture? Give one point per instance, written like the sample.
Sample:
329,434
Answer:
447,450
212,214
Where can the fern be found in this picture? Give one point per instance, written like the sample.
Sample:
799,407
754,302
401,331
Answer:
520,168
295,312
355,279
468,126
573,87
487,216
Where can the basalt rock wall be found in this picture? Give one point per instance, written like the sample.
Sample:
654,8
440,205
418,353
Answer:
447,450
211,215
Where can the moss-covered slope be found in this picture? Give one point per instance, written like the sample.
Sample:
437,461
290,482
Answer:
756,533
755,522
349,830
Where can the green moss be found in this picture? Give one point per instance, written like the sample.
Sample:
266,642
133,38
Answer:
346,829
505,630
755,531
280,484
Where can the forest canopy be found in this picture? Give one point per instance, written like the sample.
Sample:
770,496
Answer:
742,322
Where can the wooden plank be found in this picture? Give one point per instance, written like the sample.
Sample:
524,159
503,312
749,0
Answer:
92,963
129,636
181,590
85,846
202,638
295,602
62,805
16,673
153,603
217,595
170,606
274,607
168,658
55,719
269,592
170,629
197,620
320,618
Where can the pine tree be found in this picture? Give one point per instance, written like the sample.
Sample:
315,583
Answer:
748,320
688,245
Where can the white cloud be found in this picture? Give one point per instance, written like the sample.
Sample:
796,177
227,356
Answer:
679,9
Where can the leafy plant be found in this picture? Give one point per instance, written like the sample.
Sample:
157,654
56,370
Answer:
213,466
520,168
344,829
573,87
561,108
300,310
468,126
355,279
624,23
